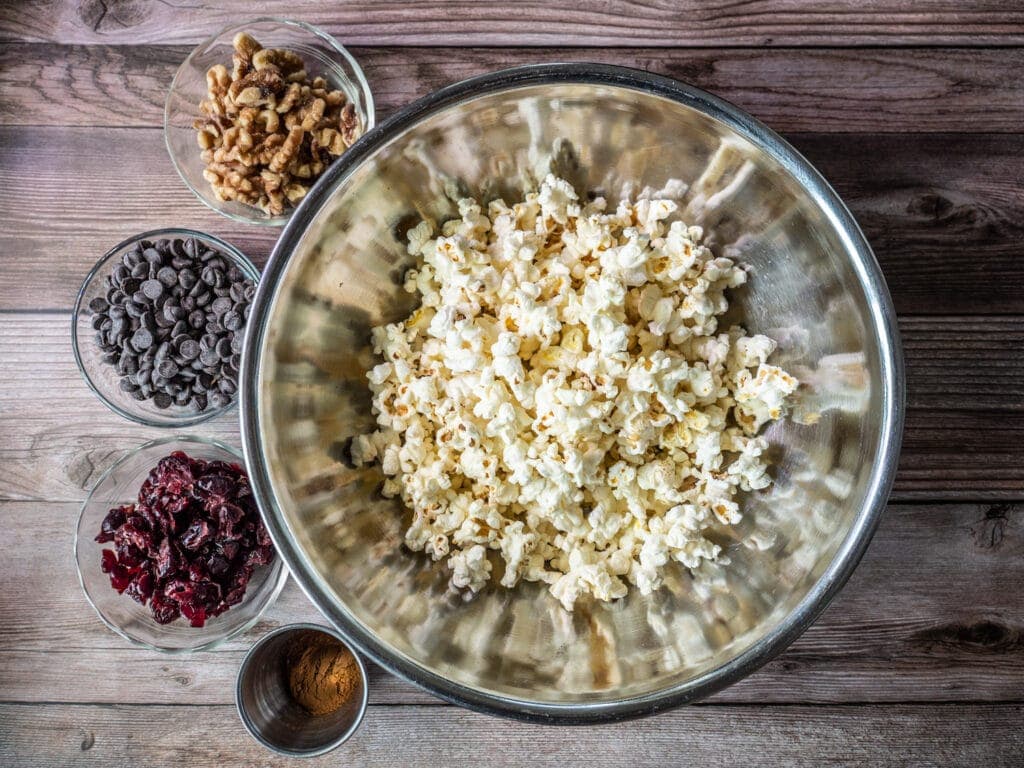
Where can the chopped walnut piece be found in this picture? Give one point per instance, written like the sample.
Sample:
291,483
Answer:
268,130
245,48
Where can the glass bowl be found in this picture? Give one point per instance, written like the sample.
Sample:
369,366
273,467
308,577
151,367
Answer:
101,377
120,485
323,56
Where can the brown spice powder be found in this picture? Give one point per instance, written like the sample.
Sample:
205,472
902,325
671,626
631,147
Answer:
322,674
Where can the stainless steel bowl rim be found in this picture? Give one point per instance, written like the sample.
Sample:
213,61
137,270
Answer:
882,321
247,721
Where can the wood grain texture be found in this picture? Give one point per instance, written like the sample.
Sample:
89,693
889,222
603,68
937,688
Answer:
830,90
562,22
963,432
890,636
211,737
944,212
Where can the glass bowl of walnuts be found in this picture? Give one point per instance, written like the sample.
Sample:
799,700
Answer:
258,112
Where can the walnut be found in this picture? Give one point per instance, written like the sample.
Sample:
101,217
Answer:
349,124
331,140
247,117
206,138
312,113
290,99
268,120
295,192
246,48
289,149
260,87
267,130
217,81
286,62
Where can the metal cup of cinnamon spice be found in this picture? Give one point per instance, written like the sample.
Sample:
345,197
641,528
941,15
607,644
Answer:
301,690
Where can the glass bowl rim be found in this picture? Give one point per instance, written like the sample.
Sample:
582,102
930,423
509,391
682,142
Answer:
332,42
240,259
281,575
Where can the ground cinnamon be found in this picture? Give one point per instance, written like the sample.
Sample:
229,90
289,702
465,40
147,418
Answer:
322,673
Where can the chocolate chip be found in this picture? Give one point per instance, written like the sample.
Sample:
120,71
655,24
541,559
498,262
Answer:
223,348
232,320
167,369
152,289
189,349
142,339
219,399
209,358
168,276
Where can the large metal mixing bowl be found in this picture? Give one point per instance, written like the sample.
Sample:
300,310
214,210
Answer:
815,286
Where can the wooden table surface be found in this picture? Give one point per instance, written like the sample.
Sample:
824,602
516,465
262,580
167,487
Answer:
914,111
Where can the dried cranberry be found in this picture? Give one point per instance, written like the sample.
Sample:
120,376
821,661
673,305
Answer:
216,485
166,560
236,587
223,468
164,611
176,589
132,533
197,571
115,519
140,588
217,564
108,561
119,577
175,473
260,556
229,548
197,535
129,556
195,614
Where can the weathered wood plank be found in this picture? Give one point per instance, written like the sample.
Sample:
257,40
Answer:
943,211
587,22
830,90
894,633
110,735
964,428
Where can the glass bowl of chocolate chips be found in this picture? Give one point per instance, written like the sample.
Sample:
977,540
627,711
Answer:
171,550
159,323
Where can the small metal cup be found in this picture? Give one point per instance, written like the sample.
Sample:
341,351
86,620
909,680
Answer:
271,714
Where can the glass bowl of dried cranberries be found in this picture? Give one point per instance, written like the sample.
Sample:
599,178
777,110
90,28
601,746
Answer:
171,549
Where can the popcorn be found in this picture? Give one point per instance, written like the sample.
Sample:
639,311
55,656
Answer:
564,396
